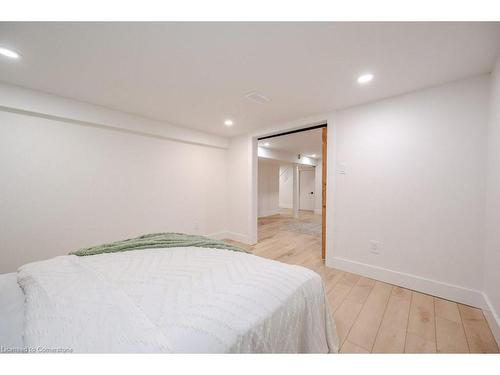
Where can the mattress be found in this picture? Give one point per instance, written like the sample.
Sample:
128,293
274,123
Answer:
177,300
11,312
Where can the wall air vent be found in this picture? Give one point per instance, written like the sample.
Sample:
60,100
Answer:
257,97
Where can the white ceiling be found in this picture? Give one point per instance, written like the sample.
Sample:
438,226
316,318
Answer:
305,143
196,74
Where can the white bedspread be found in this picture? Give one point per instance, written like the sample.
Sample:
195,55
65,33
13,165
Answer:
175,300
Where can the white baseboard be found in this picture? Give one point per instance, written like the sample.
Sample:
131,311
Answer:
217,235
318,211
269,213
223,235
493,318
286,206
421,284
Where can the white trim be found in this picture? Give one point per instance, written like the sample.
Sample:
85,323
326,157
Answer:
492,318
217,235
287,157
421,284
228,235
301,123
269,212
318,211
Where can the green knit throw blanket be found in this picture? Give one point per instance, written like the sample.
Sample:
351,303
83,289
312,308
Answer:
157,240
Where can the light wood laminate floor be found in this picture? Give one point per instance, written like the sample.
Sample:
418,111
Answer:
373,316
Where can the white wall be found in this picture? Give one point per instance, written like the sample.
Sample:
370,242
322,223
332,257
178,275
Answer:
66,185
242,198
415,182
492,241
286,186
268,190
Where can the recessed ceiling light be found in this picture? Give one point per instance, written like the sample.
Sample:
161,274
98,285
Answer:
9,53
267,144
228,122
365,78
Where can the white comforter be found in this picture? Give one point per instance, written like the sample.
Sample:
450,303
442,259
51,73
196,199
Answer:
175,300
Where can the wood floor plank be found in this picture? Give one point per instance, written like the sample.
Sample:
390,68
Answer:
447,309
364,330
417,344
334,281
349,347
392,333
421,332
450,336
345,316
348,311
339,292
361,291
477,331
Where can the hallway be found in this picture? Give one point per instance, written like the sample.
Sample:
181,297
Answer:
307,223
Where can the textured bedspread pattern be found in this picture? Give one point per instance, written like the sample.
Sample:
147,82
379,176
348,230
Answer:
157,240
175,300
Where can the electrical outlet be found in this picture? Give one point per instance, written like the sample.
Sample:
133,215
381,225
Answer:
375,247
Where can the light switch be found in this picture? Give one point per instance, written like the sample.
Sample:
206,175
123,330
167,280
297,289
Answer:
341,168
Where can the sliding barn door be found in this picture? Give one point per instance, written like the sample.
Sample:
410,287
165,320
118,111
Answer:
323,194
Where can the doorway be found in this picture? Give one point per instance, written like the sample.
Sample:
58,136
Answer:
306,189
294,161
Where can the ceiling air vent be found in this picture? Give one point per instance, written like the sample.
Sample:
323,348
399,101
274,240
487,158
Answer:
257,97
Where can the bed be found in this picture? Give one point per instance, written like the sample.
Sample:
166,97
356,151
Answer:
172,300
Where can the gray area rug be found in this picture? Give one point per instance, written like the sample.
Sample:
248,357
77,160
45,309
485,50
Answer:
314,229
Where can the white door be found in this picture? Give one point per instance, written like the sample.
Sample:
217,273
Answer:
306,190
